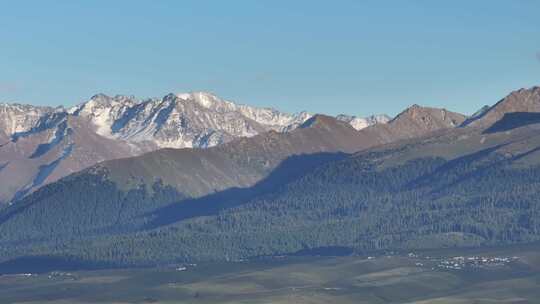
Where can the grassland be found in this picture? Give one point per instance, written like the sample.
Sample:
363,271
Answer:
386,277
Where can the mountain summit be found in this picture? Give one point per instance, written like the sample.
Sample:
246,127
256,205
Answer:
522,100
180,120
360,123
415,121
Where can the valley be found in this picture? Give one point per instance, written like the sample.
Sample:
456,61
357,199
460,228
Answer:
380,277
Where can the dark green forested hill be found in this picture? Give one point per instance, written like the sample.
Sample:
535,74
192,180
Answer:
339,207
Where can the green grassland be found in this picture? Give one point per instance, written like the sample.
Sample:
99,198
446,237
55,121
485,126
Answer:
385,277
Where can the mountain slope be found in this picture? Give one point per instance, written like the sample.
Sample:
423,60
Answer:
16,118
237,164
155,179
120,194
413,122
202,171
460,188
39,145
42,155
523,100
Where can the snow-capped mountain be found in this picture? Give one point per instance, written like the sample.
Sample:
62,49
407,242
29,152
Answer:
181,120
195,119
16,118
360,123
39,145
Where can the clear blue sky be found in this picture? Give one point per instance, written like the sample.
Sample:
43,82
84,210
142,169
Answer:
357,57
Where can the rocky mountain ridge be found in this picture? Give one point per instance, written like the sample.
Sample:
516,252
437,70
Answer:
38,145
196,119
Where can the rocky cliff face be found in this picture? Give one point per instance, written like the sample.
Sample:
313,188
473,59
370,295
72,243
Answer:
17,118
181,121
195,119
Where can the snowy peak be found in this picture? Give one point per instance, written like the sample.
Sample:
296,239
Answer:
17,118
360,123
195,119
209,101
103,111
101,101
268,117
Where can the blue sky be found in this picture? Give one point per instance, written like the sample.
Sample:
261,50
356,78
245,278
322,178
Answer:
356,57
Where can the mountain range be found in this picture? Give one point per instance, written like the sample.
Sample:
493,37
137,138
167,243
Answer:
428,178
39,145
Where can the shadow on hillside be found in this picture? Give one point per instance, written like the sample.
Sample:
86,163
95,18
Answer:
61,132
44,123
461,165
3,166
290,169
525,154
512,121
44,171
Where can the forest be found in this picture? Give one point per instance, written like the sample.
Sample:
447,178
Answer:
354,203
